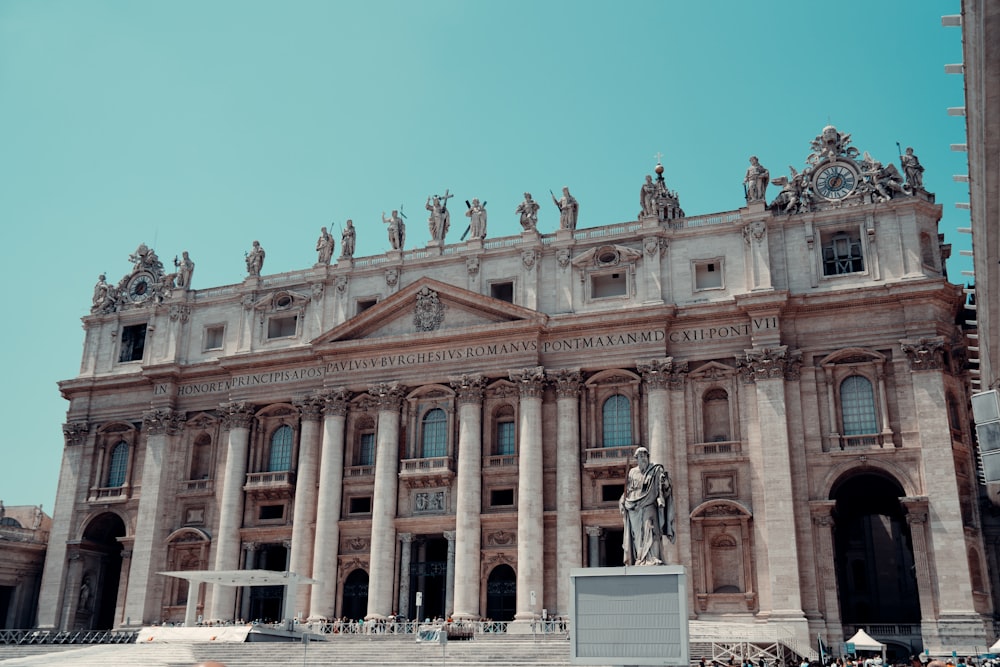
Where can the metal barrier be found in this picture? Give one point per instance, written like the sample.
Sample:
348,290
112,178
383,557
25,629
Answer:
68,636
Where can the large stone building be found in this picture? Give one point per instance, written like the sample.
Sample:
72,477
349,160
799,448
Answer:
24,532
457,421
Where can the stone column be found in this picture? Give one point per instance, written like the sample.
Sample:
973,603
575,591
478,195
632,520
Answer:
829,602
569,528
383,545
304,511
161,427
123,581
405,556
227,552
951,579
530,528
916,518
770,462
469,501
54,571
449,574
326,546
594,546
249,563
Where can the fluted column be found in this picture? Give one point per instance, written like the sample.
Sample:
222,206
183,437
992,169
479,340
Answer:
161,427
326,546
383,545
304,509
469,489
916,518
530,527
227,552
405,556
770,461
449,574
569,528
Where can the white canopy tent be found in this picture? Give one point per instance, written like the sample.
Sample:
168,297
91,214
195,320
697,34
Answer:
863,642
239,578
996,647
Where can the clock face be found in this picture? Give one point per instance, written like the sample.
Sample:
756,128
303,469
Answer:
140,287
836,180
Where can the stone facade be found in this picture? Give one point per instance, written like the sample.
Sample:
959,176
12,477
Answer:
24,533
458,422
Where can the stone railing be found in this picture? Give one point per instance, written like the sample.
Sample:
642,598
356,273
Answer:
598,456
359,471
197,486
501,461
263,480
419,466
18,534
867,441
108,493
722,448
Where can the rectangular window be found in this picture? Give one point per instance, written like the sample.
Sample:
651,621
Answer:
133,342
360,505
281,327
502,497
504,291
214,336
365,304
505,439
366,453
612,493
608,285
842,254
708,275
271,512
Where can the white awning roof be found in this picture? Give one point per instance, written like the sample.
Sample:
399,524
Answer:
864,642
242,577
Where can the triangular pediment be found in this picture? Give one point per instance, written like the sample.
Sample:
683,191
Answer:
429,307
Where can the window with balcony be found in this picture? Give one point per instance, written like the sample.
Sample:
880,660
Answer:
280,455
118,465
857,406
616,421
366,449
434,434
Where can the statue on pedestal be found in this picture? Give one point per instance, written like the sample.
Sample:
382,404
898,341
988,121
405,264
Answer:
324,246
528,210
647,509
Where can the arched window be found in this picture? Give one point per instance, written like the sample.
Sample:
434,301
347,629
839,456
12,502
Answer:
617,421
857,405
280,457
505,443
118,465
435,433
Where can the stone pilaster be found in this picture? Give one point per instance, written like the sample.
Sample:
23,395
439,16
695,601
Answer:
238,417
405,556
469,501
530,528
326,544
389,398
758,255
916,518
449,574
304,509
655,247
829,602
569,528
54,571
161,427
771,480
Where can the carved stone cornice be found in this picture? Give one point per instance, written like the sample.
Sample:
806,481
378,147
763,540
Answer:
530,381
337,402
75,433
310,408
916,509
769,363
924,354
663,373
567,381
388,396
822,512
469,388
163,421
236,415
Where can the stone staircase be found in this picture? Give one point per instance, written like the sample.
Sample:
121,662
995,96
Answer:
346,651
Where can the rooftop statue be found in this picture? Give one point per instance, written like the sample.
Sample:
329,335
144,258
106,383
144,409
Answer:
324,246
528,210
185,269
347,240
397,229
913,169
255,259
477,219
755,181
440,218
568,207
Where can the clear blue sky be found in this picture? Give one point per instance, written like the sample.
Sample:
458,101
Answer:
203,125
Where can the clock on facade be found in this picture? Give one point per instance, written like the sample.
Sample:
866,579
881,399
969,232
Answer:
140,287
836,180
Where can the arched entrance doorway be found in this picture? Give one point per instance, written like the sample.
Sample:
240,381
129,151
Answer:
266,602
355,604
873,552
428,575
101,566
501,593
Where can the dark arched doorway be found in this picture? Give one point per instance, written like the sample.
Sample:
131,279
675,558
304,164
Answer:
266,602
428,573
101,557
874,552
501,593
355,604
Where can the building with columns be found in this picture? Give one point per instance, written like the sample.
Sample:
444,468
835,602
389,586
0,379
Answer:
455,423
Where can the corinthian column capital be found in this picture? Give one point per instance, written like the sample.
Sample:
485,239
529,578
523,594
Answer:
469,388
566,381
530,381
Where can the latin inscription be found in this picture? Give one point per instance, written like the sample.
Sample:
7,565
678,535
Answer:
723,331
